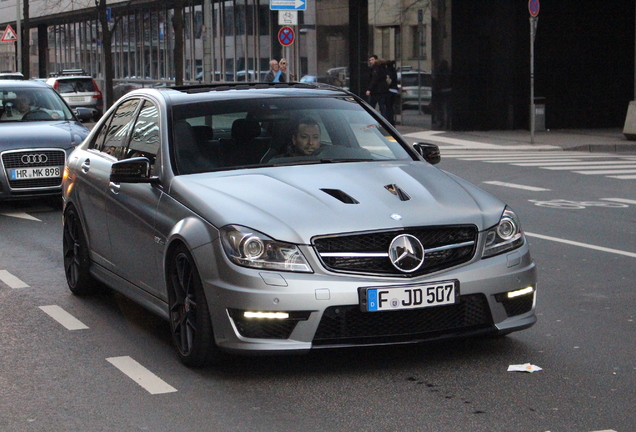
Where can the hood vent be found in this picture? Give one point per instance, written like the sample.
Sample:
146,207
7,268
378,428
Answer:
395,190
341,196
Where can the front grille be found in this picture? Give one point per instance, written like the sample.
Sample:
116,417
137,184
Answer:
354,250
348,325
54,158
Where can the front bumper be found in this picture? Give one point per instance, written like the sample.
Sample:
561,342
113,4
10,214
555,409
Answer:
323,307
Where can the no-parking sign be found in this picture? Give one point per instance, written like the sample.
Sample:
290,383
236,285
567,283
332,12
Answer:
286,36
533,7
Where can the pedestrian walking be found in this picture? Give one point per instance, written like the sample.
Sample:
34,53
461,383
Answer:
378,90
274,72
393,96
282,63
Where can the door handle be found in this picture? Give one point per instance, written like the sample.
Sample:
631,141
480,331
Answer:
114,187
86,165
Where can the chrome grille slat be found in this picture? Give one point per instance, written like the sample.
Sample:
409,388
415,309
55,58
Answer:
13,159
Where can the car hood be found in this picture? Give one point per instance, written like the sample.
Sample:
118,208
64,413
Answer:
60,134
296,203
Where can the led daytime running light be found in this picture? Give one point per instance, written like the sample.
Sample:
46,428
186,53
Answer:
266,315
524,291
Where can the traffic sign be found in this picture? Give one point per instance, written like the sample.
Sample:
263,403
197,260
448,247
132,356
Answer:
533,7
288,5
286,36
9,35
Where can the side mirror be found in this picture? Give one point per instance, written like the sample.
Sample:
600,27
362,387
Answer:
133,170
84,114
430,152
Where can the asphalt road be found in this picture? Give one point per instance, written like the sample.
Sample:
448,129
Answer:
104,364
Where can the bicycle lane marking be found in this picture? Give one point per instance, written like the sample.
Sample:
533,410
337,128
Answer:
584,245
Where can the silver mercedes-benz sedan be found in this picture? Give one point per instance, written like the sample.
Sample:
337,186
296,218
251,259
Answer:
269,218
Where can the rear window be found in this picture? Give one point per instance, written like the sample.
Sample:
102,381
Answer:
410,80
79,85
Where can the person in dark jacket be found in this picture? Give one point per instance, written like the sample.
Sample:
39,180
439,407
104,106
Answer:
378,89
274,72
393,91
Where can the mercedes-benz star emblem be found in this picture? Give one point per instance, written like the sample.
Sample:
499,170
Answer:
406,253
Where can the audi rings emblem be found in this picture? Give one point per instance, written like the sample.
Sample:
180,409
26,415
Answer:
34,159
406,253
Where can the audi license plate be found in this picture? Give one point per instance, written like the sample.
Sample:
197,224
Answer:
32,173
409,296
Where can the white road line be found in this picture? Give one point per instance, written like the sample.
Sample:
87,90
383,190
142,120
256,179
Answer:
607,172
20,215
11,280
624,177
63,317
431,136
539,161
585,245
516,186
577,163
620,200
142,376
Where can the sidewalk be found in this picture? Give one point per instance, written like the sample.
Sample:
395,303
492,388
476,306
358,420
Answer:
591,140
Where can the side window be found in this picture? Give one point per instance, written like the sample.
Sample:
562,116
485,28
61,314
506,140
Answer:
118,131
145,137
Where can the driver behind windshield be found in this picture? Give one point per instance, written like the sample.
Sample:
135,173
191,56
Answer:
21,106
305,137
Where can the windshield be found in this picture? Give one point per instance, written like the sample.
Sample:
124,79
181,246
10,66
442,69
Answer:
32,104
263,132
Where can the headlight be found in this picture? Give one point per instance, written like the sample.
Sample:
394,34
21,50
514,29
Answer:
250,248
505,236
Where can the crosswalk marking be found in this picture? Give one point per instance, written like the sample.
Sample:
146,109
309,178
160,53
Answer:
622,167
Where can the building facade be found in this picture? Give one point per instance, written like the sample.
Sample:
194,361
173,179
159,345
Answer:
584,51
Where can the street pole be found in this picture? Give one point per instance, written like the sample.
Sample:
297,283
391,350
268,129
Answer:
420,30
533,30
18,46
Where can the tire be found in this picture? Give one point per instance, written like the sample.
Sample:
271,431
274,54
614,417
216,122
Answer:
76,259
190,321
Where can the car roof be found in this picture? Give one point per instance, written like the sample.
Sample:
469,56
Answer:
14,84
69,77
225,91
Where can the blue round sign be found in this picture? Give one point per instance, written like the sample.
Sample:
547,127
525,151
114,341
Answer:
286,36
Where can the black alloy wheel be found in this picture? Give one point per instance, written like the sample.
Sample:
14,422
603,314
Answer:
190,320
76,259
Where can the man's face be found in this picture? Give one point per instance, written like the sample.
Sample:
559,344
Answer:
274,65
307,140
22,103
371,61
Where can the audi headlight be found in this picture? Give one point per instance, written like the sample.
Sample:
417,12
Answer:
250,248
505,236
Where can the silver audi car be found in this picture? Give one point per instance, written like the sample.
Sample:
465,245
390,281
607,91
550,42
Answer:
285,217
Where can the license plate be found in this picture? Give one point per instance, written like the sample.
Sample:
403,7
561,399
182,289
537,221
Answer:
409,296
31,173
77,98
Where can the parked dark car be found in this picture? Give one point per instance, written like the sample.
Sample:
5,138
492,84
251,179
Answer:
37,132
